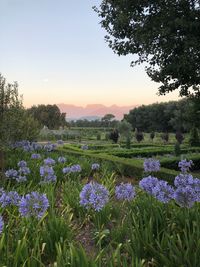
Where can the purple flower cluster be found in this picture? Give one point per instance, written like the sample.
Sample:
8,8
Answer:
1,224
94,196
95,166
186,190
72,169
61,160
163,192
66,170
50,147
84,147
185,165
47,173
148,183
76,168
22,164
49,161
20,175
9,198
11,173
33,204
60,142
151,165
157,188
125,191
27,146
35,156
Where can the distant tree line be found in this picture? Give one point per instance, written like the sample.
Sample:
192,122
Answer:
166,117
106,121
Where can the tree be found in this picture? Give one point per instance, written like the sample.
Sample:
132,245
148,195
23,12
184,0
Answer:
125,128
15,123
165,34
108,118
48,115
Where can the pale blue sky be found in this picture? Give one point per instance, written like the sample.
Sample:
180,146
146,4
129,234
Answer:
56,51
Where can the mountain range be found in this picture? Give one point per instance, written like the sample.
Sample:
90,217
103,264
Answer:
93,111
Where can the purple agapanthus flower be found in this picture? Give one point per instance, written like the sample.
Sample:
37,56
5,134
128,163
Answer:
75,168
33,204
185,196
66,170
60,142
94,196
11,173
35,156
148,183
183,180
21,178
185,165
125,191
47,173
1,224
95,166
151,165
49,147
49,161
24,171
9,198
22,164
163,191
61,159
84,147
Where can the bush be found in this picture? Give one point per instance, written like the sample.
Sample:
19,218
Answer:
177,149
128,142
139,136
194,137
165,137
98,136
152,135
114,136
179,137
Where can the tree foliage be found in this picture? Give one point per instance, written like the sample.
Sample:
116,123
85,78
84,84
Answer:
163,33
15,122
166,117
48,115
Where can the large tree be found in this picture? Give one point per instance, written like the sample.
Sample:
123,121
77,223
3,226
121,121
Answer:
15,123
48,115
163,33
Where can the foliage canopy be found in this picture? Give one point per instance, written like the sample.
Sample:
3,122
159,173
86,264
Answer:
163,33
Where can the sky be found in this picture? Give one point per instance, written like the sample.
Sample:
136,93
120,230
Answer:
55,50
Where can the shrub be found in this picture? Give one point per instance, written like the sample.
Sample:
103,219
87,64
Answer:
165,137
98,136
114,135
194,137
152,135
128,142
179,137
177,149
139,136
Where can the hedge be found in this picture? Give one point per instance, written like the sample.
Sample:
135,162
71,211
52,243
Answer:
123,166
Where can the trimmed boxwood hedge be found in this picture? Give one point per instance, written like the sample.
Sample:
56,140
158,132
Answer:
123,166
172,163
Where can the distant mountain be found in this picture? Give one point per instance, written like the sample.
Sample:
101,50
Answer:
93,111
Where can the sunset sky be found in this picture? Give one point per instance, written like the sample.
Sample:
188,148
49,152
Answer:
56,51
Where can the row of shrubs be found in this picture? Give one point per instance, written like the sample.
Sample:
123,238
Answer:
172,163
122,166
